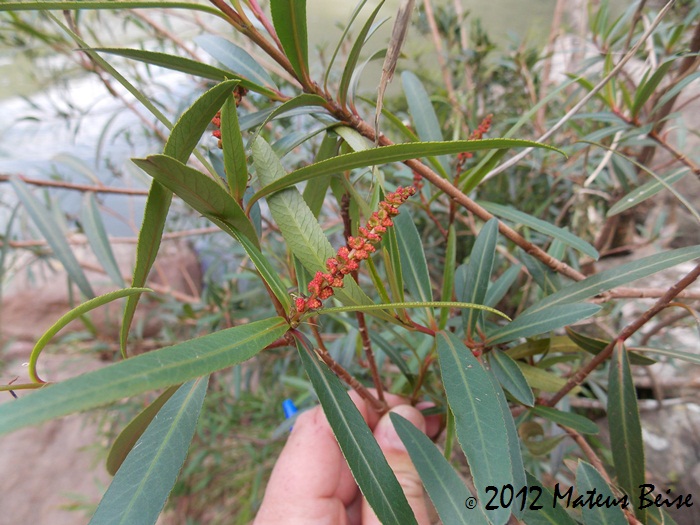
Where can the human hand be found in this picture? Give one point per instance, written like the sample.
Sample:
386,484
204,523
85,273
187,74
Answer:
311,483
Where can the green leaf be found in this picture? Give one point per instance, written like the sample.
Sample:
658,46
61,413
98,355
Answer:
186,65
365,459
354,55
541,226
539,510
84,4
235,164
142,373
514,452
266,270
595,346
414,268
346,29
645,191
417,304
543,380
568,419
315,194
626,434
183,140
588,479
97,237
498,289
154,215
72,315
304,100
235,58
607,279
511,377
646,89
676,354
547,279
53,235
199,191
387,154
138,492
131,433
478,273
424,117
541,321
289,19
299,227
445,488
480,426
448,276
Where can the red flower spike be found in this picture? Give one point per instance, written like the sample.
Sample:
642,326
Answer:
358,248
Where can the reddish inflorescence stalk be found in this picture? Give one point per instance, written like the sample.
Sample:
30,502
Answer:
477,134
358,248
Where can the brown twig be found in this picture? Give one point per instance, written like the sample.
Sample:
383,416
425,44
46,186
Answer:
625,334
76,187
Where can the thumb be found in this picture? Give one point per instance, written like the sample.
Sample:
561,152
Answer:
400,462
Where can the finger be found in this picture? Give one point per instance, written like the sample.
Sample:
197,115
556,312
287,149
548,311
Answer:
310,482
400,462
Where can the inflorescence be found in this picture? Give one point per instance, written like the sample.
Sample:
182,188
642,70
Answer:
358,248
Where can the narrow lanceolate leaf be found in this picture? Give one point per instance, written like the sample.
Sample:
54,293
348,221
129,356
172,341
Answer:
541,321
53,235
300,228
266,270
157,369
186,65
141,487
365,459
568,419
514,452
626,434
289,19
588,479
478,273
199,191
623,274
154,215
354,54
447,491
595,346
539,509
422,112
413,265
479,422
131,433
645,191
305,100
498,290
72,315
315,194
183,140
399,306
676,354
235,164
97,237
387,154
511,377
541,226
646,89
235,58
192,123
